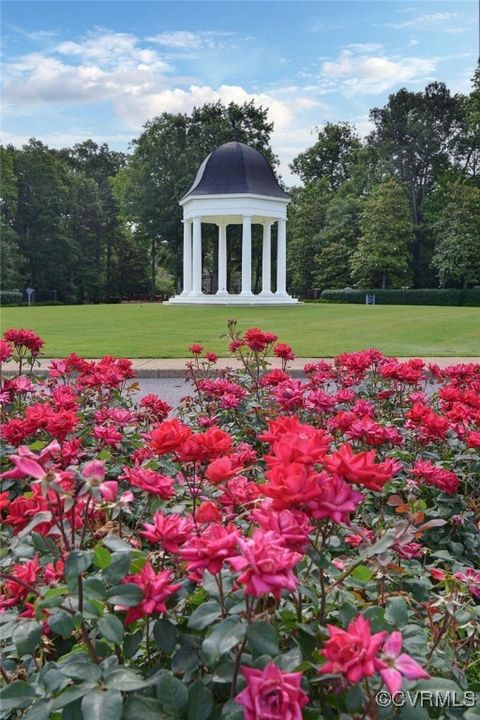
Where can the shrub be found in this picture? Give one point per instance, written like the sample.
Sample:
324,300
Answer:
10,297
470,296
275,547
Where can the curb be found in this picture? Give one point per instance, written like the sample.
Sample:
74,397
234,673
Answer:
154,374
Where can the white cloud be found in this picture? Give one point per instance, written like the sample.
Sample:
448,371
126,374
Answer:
187,40
93,69
40,78
108,47
364,47
135,110
64,139
138,84
431,21
357,72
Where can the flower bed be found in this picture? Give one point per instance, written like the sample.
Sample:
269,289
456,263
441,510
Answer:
275,549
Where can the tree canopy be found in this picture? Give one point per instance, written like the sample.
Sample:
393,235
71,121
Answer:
399,205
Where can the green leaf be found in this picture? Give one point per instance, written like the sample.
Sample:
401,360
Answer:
94,589
440,685
290,660
185,659
223,638
131,643
262,639
396,612
79,667
362,573
172,694
61,623
16,696
102,705
142,708
118,567
204,615
376,615
77,562
200,701
165,634
41,710
413,712
116,544
51,678
111,628
472,713
232,711
41,517
125,680
26,636
40,544
354,699
71,694
379,547
101,557
127,594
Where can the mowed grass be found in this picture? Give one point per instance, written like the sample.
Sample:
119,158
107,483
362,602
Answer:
314,330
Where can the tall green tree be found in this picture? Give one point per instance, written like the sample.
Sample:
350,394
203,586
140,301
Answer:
11,260
165,160
213,124
331,157
306,218
42,222
338,240
87,222
457,252
467,145
99,165
414,134
382,257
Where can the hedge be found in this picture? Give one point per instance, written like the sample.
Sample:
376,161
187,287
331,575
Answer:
470,297
10,297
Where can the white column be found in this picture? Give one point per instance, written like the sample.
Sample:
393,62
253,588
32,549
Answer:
282,257
197,257
187,257
247,256
222,260
267,259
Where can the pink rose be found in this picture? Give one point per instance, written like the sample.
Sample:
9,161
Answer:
272,694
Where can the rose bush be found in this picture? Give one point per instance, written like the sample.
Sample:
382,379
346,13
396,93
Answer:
275,548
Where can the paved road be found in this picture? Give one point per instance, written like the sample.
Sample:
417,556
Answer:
171,390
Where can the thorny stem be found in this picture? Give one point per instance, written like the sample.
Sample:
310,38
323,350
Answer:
84,529
236,669
323,598
4,673
371,707
219,580
32,590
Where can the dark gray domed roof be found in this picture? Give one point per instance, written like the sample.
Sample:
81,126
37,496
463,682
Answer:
235,168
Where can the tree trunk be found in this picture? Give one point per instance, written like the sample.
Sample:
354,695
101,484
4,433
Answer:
384,279
154,262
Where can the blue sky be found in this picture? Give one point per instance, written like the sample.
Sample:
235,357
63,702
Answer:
73,70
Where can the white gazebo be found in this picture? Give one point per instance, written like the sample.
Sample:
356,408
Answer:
235,185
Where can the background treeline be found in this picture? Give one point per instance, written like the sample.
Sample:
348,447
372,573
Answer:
401,208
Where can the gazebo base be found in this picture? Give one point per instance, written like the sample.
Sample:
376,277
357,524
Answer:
272,299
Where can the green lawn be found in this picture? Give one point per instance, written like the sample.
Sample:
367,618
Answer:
314,330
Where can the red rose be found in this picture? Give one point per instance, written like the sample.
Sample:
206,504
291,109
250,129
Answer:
360,468
352,652
169,436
